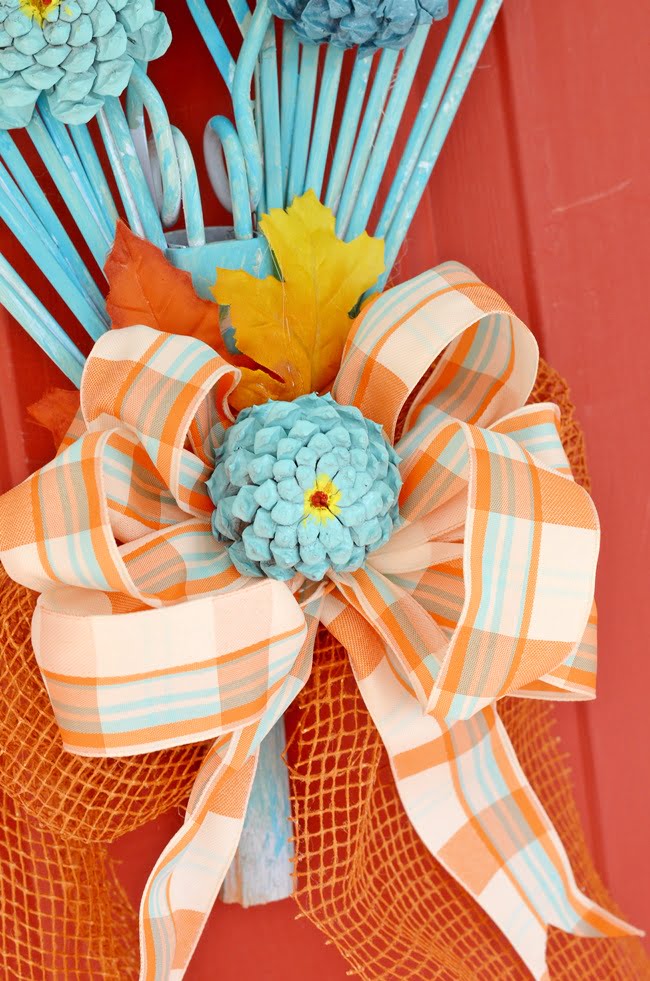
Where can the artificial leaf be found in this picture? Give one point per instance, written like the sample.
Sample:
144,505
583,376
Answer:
55,411
144,288
295,328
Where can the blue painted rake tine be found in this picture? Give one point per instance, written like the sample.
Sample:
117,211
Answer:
38,322
258,104
376,168
272,140
309,57
21,220
241,13
69,155
348,128
427,111
239,77
142,93
367,133
439,130
190,194
214,40
290,72
320,141
91,164
230,183
81,207
136,197
143,150
49,220
243,108
192,207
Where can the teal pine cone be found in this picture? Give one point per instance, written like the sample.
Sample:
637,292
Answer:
368,24
304,487
77,52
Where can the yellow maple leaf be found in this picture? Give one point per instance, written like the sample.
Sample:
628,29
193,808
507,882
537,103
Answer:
295,328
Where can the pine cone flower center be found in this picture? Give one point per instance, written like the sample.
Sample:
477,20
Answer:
37,9
306,487
319,499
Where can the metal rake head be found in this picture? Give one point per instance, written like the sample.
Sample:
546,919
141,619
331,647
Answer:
303,117
306,129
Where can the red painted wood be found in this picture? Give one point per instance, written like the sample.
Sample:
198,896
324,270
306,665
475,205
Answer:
543,190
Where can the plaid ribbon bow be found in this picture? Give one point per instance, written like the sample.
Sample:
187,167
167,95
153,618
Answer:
144,634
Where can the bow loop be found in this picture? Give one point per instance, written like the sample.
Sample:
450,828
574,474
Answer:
530,538
485,357
158,678
163,388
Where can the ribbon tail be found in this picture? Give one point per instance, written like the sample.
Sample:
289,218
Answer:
187,877
186,880
471,804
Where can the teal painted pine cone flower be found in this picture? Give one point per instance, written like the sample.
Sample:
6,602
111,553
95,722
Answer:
304,487
365,23
77,52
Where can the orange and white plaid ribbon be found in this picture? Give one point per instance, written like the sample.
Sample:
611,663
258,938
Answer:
145,637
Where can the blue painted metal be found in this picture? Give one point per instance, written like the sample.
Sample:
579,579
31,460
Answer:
272,140
38,322
242,104
439,131
261,870
367,133
224,252
258,114
138,202
142,95
241,13
427,111
213,37
21,220
49,220
309,56
94,171
289,89
320,142
348,128
382,145
214,40
191,192
80,203
230,182
68,152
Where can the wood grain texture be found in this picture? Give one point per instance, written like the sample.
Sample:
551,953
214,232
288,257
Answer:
261,870
543,190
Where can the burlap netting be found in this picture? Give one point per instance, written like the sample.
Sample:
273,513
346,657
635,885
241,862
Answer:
362,875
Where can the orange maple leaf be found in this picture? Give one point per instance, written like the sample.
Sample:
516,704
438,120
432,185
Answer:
55,411
144,288
294,329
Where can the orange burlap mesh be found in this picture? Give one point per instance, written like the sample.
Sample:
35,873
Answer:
361,873
62,911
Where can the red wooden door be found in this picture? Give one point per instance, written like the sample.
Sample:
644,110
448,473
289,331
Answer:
543,190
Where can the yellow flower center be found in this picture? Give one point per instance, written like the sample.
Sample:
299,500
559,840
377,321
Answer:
321,500
38,8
